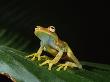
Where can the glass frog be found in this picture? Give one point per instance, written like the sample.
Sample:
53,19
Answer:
51,43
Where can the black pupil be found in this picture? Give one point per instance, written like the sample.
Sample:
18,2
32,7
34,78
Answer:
52,27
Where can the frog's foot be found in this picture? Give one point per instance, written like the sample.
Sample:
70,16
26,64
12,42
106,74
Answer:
44,57
50,62
34,56
64,66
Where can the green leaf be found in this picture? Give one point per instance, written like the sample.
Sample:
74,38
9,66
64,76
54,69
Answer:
13,40
15,64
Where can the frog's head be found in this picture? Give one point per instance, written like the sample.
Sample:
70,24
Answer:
45,33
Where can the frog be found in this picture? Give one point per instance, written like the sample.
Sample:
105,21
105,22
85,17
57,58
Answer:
59,49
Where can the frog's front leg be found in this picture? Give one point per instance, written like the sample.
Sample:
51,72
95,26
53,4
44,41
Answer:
54,61
38,54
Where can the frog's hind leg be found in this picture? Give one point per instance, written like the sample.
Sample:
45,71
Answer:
66,65
72,58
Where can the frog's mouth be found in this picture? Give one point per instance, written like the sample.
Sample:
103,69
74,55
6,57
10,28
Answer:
41,30
41,34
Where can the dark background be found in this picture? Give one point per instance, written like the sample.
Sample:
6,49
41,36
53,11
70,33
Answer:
87,40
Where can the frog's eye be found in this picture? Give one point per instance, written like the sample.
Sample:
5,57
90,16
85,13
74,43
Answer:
51,28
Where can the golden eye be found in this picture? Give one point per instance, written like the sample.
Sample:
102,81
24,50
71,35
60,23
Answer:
52,28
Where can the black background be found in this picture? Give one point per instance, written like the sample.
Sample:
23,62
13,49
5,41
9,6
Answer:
69,19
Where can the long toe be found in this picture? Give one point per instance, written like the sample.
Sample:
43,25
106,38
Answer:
60,67
47,61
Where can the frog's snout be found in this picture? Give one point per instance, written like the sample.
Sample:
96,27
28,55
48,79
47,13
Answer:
38,27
